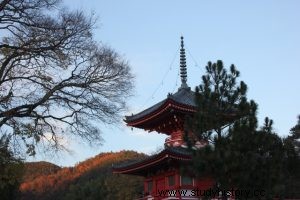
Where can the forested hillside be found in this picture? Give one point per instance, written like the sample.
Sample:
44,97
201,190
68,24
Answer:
91,179
33,170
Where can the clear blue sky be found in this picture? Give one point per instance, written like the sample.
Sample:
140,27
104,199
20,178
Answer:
262,38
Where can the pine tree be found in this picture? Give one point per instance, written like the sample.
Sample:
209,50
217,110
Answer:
240,155
292,162
220,100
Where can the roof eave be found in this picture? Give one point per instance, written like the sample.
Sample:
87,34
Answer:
165,154
169,104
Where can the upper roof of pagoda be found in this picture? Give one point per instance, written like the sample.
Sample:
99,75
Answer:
168,115
183,99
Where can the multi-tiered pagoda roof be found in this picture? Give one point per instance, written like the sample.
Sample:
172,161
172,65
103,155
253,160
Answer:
162,170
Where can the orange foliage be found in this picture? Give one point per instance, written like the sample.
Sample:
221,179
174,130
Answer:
61,178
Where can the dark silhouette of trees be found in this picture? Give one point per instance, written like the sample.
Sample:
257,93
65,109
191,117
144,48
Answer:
54,78
295,136
11,170
241,155
292,162
220,101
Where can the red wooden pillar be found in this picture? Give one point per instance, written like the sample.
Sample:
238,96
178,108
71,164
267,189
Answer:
177,183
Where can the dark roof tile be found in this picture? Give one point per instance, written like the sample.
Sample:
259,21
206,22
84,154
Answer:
183,96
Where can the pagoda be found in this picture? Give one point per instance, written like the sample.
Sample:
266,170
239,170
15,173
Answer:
164,171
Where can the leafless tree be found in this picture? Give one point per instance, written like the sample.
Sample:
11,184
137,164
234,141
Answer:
54,78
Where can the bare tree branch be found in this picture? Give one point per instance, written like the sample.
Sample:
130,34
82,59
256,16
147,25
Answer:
54,78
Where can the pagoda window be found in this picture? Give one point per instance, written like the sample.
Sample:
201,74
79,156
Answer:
186,180
149,186
171,180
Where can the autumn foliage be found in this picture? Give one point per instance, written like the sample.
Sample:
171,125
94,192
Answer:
91,179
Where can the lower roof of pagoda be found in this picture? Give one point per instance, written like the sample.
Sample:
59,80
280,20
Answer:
169,113
169,157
